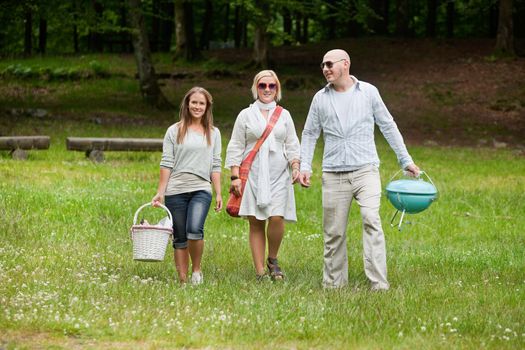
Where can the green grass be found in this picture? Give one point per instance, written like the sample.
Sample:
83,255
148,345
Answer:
67,274
67,278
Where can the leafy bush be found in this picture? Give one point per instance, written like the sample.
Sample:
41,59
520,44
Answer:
98,69
20,71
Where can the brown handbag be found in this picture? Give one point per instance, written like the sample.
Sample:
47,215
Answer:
234,202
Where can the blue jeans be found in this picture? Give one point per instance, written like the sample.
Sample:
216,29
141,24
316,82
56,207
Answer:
189,211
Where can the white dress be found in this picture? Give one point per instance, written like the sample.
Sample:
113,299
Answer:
269,189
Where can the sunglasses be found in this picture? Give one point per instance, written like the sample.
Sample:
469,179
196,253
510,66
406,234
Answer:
263,86
330,64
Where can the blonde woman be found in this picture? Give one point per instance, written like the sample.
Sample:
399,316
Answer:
190,167
268,198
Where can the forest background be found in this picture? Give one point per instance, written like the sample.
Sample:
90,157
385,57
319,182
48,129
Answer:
468,51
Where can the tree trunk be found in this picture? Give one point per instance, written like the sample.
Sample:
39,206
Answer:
519,26
192,52
298,22
28,37
184,31
127,45
505,37
180,29
149,87
75,39
166,29
287,26
260,47
331,24
431,18
304,37
244,23
96,40
381,9
402,18
2,41
42,36
155,26
237,26
206,26
75,27
451,14
353,28
493,20
261,41
226,22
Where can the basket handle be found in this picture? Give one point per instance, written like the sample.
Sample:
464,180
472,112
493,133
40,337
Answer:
149,204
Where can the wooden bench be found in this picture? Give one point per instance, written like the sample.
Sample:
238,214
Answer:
95,146
18,145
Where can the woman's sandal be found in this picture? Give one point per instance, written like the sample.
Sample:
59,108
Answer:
274,270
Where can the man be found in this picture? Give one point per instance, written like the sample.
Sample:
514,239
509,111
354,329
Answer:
346,111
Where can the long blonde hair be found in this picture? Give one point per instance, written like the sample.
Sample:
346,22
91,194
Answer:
185,115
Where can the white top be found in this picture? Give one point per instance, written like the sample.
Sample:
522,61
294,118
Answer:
342,102
186,182
269,190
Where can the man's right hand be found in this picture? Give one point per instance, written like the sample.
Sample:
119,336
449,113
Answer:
304,178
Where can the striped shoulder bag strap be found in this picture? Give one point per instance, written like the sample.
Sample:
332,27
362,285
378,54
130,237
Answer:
247,163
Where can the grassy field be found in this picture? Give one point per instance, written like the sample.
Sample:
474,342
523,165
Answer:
67,278
67,274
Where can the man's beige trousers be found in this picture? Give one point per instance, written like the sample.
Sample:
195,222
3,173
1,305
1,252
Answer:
339,189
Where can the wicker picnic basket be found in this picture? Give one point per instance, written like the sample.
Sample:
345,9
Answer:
150,241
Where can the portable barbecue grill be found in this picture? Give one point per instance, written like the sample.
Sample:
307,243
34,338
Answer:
410,195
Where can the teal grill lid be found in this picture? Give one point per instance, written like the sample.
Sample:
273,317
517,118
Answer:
411,187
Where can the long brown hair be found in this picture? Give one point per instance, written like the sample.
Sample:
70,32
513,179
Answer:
185,115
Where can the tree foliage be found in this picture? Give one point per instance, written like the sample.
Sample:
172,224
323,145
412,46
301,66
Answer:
53,26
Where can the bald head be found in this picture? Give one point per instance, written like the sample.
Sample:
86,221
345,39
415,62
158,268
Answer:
336,54
336,69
